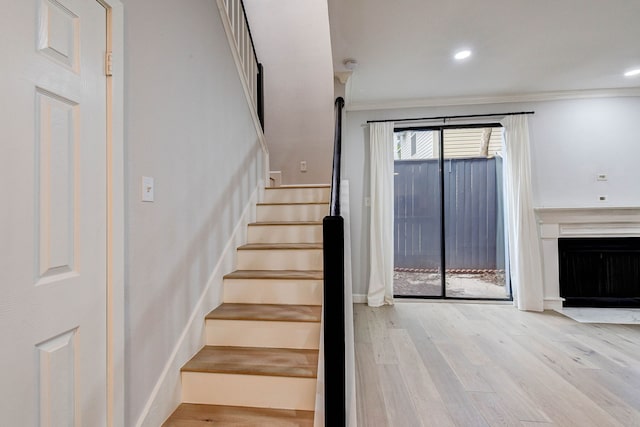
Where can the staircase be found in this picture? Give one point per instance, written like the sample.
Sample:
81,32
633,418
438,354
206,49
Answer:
259,364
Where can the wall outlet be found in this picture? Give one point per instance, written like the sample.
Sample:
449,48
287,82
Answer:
602,177
602,198
303,166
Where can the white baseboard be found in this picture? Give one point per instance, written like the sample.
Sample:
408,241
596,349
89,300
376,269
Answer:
552,303
167,393
359,299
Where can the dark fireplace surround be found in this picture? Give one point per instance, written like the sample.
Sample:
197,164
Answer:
604,266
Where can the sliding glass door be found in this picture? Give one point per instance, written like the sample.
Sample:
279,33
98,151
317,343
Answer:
449,223
418,216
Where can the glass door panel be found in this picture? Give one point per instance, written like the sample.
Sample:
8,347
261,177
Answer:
417,219
474,236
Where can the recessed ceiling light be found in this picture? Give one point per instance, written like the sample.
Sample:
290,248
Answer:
463,54
632,73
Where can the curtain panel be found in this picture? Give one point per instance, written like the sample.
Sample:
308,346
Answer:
381,231
524,248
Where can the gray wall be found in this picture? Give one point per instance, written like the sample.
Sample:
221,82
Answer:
571,140
188,126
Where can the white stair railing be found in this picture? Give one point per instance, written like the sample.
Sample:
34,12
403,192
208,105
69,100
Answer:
245,49
236,26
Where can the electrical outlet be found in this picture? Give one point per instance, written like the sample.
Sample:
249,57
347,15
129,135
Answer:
602,198
602,177
303,166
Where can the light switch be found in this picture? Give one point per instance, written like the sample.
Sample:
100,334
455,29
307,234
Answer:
147,189
303,166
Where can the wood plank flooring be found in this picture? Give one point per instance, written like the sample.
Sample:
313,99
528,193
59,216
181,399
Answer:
276,274
452,364
286,362
276,312
282,246
192,415
281,223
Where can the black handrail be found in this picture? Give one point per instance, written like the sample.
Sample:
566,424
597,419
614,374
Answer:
334,317
337,154
260,71
260,91
246,21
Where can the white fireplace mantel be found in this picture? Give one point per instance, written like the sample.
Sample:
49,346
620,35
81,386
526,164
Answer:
555,223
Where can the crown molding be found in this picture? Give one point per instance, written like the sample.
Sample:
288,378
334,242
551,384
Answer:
342,76
505,99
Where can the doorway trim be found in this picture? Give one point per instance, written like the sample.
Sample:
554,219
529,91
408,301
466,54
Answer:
115,368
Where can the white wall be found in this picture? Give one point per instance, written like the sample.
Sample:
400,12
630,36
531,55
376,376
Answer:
293,44
571,140
189,127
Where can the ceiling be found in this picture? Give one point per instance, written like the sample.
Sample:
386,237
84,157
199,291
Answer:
405,49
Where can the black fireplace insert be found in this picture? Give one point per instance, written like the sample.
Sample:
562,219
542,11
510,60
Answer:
600,272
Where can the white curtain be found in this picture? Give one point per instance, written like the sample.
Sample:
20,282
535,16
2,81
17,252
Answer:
524,248
381,232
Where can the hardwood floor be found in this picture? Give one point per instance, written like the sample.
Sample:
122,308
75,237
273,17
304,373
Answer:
191,415
276,312
286,362
451,364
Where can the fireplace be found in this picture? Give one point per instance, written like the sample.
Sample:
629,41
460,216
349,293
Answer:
599,272
576,226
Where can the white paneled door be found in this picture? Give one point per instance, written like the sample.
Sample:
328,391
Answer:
53,213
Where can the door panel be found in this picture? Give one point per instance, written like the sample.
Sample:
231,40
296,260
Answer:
53,213
417,216
474,237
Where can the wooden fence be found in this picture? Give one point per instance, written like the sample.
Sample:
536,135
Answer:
474,234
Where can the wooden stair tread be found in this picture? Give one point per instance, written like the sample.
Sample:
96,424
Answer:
195,415
291,203
276,274
284,187
267,312
283,362
286,246
286,223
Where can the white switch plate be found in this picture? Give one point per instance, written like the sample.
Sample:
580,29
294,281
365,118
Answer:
367,201
303,166
602,177
147,189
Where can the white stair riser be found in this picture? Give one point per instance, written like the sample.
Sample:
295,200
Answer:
256,333
280,259
297,195
310,212
259,391
284,234
273,291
